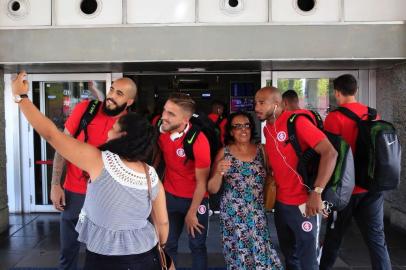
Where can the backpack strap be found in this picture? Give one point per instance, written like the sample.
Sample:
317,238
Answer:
218,121
319,120
87,117
189,140
292,132
350,114
372,114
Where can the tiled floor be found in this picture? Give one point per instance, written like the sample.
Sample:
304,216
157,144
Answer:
33,241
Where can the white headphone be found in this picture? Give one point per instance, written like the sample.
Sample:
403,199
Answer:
176,135
274,110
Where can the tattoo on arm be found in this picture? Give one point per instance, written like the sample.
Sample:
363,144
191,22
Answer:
58,166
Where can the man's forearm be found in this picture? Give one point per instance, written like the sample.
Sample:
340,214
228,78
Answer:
326,169
198,196
57,169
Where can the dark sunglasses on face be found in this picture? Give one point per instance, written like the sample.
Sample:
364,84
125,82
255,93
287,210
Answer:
241,126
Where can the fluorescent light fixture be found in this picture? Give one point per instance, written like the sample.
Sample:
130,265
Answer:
191,69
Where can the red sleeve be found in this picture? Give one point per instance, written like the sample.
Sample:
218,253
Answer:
72,123
308,134
332,123
213,117
201,151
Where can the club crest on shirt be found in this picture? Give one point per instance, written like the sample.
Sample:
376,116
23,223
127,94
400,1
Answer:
281,136
307,226
180,152
202,209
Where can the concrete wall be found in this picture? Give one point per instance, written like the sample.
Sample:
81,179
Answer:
197,43
391,93
3,179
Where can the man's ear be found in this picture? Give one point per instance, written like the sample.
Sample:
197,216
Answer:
130,102
123,133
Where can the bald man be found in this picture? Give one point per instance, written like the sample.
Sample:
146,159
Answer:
70,198
296,226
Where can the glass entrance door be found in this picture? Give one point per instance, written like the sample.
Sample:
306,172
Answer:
314,88
56,96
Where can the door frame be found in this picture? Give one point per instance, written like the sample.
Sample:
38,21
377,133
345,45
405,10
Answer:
19,142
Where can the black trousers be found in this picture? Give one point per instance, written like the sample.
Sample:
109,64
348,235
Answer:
145,261
177,210
297,237
69,255
367,210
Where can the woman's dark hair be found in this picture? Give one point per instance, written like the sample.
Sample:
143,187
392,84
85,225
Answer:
138,142
228,138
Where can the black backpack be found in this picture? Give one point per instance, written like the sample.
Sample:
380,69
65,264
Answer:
201,123
87,117
378,152
341,184
217,124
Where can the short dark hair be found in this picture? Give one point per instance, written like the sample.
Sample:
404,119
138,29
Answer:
138,142
184,101
290,95
217,102
228,138
346,84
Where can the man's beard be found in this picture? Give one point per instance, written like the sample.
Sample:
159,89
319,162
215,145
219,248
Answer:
170,128
267,116
113,112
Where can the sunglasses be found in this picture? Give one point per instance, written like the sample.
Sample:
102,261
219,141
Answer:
241,126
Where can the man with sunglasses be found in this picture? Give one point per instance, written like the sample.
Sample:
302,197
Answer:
297,204
70,198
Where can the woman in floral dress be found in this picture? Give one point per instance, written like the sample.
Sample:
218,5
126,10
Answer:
239,168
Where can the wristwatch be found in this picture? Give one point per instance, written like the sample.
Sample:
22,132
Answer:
318,190
19,98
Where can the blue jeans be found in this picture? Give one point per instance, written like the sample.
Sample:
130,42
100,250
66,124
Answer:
297,237
70,246
177,210
367,209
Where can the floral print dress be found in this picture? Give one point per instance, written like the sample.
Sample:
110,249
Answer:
246,238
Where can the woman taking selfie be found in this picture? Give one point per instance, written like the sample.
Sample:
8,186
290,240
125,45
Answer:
113,223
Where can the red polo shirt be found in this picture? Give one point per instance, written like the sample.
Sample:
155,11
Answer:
180,177
338,123
283,159
97,135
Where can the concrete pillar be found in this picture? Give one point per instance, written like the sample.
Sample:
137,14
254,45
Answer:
3,180
391,93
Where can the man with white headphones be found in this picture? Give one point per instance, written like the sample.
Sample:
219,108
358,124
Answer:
296,203
185,181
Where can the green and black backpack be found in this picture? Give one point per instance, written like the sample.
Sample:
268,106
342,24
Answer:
377,154
341,184
202,123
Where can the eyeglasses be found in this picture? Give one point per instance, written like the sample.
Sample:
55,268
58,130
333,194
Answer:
241,126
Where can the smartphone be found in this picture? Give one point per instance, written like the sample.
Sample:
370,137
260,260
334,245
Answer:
302,209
